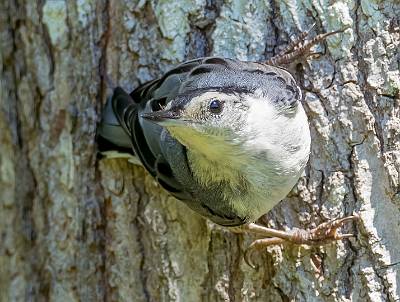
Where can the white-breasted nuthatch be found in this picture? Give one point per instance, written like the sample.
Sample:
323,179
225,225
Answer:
229,138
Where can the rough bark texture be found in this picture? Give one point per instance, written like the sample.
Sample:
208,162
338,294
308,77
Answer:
76,228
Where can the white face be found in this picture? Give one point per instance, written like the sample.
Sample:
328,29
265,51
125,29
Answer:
238,126
215,123
213,114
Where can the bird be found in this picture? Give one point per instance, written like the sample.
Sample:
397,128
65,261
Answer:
229,138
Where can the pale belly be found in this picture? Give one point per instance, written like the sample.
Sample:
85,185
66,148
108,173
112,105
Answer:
265,191
252,186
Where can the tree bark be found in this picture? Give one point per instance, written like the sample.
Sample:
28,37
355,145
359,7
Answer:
74,227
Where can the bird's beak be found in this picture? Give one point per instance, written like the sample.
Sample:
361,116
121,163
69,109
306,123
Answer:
163,118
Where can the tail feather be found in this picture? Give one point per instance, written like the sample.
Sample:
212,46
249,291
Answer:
112,136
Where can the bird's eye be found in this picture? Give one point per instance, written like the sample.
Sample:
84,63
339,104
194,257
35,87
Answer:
215,106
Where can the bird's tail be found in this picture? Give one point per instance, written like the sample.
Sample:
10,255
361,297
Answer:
112,136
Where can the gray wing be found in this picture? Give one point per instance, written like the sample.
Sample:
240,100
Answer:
122,126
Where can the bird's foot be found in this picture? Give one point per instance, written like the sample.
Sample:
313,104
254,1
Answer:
324,233
299,48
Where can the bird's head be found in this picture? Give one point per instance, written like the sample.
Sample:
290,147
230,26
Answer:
217,123
233,108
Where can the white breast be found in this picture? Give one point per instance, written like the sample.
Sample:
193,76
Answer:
279,148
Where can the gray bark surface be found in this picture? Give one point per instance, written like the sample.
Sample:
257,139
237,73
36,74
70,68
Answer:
74,227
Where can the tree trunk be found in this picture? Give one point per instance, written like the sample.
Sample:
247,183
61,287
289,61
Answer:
74,227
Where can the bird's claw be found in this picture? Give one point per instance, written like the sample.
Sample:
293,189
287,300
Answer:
322,234
258,245
300,48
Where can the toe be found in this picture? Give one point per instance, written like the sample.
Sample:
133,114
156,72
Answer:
258,245
344,236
